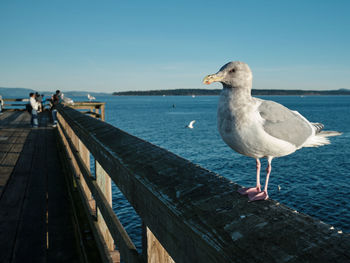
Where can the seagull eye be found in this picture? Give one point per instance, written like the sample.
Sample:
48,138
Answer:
232,70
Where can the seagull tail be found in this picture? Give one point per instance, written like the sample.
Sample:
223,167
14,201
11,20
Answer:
329,133
321,138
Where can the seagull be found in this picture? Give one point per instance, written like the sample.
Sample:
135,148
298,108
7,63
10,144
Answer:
66,99
190,125
260,128
91,97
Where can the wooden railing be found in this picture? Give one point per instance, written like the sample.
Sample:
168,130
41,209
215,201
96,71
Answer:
17,106
189,213
95,109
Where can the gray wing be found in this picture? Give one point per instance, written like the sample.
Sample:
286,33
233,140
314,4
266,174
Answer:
284,124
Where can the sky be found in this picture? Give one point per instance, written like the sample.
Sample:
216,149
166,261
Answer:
111,46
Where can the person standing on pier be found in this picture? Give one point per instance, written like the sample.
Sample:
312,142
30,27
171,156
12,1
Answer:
43,100
54,101
34,104
39,99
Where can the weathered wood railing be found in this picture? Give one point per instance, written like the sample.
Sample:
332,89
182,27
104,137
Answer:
16,105
95,109
196,215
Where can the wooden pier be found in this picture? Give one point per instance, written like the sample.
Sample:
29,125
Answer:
189,214
35,213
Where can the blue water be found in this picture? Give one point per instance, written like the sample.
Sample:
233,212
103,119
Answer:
314,181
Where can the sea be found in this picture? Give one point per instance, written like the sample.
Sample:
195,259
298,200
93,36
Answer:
314,181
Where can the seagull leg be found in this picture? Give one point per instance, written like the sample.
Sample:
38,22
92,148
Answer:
253,190
263,195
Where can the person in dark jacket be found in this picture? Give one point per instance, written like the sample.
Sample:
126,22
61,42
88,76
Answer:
55,99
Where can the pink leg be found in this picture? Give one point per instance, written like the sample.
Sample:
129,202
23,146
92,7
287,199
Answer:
263,195
253,190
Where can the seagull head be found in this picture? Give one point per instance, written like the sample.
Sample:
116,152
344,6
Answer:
234,74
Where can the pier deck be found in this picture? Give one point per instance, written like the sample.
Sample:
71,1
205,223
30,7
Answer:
35,214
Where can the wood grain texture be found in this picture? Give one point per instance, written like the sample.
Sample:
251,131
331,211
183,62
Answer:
35,217
127,249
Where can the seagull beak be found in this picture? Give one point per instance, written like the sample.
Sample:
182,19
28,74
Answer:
212,78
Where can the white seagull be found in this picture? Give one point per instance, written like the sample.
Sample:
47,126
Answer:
260,128
66,99
190,125
91,97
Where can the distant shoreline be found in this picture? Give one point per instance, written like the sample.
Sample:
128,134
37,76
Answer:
255,92
22,92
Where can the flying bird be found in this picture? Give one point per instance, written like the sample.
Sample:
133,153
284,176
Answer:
190,125
260,128
91,97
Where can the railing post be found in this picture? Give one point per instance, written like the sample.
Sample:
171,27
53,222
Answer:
155,251
104,183
85,156
102,112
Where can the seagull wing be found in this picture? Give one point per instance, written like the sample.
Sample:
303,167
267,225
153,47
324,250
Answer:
191,123
284,124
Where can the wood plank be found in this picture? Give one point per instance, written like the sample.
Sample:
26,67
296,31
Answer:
26,199
21,99
33,221
8,116
12,199
14,136
62,244
15,104
155,251
127,248
90,246
4,115
104,183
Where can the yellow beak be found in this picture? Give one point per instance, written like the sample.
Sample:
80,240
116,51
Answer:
212,78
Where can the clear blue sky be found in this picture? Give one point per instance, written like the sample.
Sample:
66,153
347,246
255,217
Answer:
142,45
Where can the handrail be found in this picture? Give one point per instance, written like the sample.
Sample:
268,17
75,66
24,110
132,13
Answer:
21,99
96,109
19,106
127,248
196,215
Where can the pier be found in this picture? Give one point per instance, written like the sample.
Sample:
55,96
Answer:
54,209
